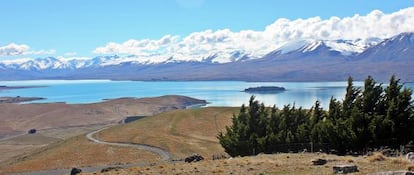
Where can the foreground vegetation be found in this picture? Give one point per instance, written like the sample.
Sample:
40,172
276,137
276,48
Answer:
367,118
183,132
286,164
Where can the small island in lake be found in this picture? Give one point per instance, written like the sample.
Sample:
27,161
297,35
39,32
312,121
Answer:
265,89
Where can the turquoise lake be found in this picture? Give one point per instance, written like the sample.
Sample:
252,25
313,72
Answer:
217,93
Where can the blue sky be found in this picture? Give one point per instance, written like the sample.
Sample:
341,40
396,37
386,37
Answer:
78,27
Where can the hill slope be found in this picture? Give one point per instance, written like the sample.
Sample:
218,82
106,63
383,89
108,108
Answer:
180,132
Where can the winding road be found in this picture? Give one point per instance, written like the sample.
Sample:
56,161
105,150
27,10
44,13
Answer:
166,156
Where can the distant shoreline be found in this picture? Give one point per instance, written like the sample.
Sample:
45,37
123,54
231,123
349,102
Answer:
18,87
19,99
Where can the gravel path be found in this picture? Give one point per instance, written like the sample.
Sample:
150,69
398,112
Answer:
162,153
166,156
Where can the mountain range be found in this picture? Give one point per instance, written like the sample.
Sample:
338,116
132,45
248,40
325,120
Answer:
301,60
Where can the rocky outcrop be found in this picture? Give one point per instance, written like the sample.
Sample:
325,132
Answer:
75,171
319,161
194,158
410,156
345,169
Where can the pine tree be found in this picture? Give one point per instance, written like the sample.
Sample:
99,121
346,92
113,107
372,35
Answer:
399,110
351,97
335,110
372,97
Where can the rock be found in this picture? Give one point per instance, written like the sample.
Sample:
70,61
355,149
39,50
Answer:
75,171
345,169
193,158
393,173
32,131
319,161
410,156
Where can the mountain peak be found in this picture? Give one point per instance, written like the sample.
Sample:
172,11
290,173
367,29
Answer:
399,47
406,36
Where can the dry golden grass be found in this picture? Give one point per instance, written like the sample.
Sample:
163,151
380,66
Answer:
76,152
181,132
19,118
287,164
376,157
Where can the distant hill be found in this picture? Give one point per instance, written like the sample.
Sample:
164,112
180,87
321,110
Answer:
304,60
19,118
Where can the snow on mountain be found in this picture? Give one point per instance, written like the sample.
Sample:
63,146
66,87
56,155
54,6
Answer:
345,47
361,48
399,47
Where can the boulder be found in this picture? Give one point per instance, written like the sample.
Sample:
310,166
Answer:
319,161
345,169
32,131
193,158
75,171
410,156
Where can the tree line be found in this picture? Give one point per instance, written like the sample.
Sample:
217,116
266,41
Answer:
370,117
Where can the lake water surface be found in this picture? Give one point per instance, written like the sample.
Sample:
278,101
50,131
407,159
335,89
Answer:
217,93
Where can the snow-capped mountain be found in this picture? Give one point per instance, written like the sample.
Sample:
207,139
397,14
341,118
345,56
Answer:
301,60
399,47
344,47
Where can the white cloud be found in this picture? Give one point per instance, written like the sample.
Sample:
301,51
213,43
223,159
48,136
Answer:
13,49
200,45
138,47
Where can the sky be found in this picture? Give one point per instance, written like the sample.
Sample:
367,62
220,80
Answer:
158,29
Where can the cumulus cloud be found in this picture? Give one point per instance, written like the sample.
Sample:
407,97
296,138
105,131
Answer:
143,47
223,43
14,49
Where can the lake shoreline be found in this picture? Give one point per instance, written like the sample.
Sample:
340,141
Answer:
19,99
18,87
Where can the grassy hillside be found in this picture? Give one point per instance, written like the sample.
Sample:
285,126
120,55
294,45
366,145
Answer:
181,132
75,152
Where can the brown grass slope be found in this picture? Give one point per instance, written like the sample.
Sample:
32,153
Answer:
280,164
15,118
181,132
75,152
